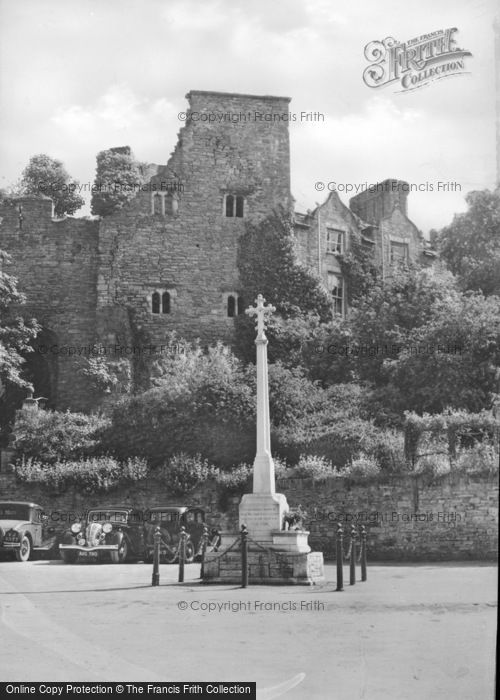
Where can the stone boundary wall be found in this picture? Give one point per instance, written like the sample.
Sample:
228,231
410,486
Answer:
407,519
70,506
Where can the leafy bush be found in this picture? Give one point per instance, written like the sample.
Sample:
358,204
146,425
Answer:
53,436
281,470
336,437
202,403
389,452
237,480
241,476
106,375
184,472
312,467
362,467
460,429
433,465
90,475
291,395
480,459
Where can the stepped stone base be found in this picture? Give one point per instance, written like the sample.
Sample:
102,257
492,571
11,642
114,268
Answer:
266,565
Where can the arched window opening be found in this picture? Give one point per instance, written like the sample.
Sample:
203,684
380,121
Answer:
156,204
234,205
241,306
155,303
231,306
165,303
239,206
229,205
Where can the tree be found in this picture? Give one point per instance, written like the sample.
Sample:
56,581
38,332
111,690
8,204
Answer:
45,176
15,332
15,336
118,177
359,269
470,245
453,360
383,323
268,265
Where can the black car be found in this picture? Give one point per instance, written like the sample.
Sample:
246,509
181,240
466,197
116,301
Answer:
112,533
170,519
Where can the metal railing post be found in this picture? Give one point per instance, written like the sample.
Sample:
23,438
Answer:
363,553
204,542
352,568
340,558
244,556
182,554
155,580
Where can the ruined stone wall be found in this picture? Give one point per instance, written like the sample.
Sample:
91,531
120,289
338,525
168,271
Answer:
377,202
191,252
92,282
55,262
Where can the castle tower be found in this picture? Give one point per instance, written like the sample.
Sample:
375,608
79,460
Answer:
169,257
380,200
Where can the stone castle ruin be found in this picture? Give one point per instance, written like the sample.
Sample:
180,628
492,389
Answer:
167,261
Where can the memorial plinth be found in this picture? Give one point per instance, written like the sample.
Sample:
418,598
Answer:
275,555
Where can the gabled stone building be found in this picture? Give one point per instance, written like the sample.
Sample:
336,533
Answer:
379,217
167,260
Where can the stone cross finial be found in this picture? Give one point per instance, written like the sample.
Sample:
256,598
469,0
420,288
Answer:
261,312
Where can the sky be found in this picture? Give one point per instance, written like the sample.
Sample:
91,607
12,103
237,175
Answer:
80,76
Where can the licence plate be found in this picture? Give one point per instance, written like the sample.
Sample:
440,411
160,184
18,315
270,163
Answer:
90,555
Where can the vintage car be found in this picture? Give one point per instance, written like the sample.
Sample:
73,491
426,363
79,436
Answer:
24,529
112,533
170,519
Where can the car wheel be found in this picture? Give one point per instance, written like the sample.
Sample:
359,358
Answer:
68,557
118,557
189,558
24,551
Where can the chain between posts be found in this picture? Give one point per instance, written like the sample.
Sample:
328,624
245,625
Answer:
243,539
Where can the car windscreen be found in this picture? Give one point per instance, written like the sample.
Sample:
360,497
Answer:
107,516
164,516
14,512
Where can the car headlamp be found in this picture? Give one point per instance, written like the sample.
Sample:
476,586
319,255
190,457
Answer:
75,528
107,527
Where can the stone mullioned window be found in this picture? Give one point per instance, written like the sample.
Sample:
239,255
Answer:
161,303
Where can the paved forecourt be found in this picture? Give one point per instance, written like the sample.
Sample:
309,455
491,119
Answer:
409,631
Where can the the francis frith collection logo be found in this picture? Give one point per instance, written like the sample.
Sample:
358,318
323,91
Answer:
416,62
